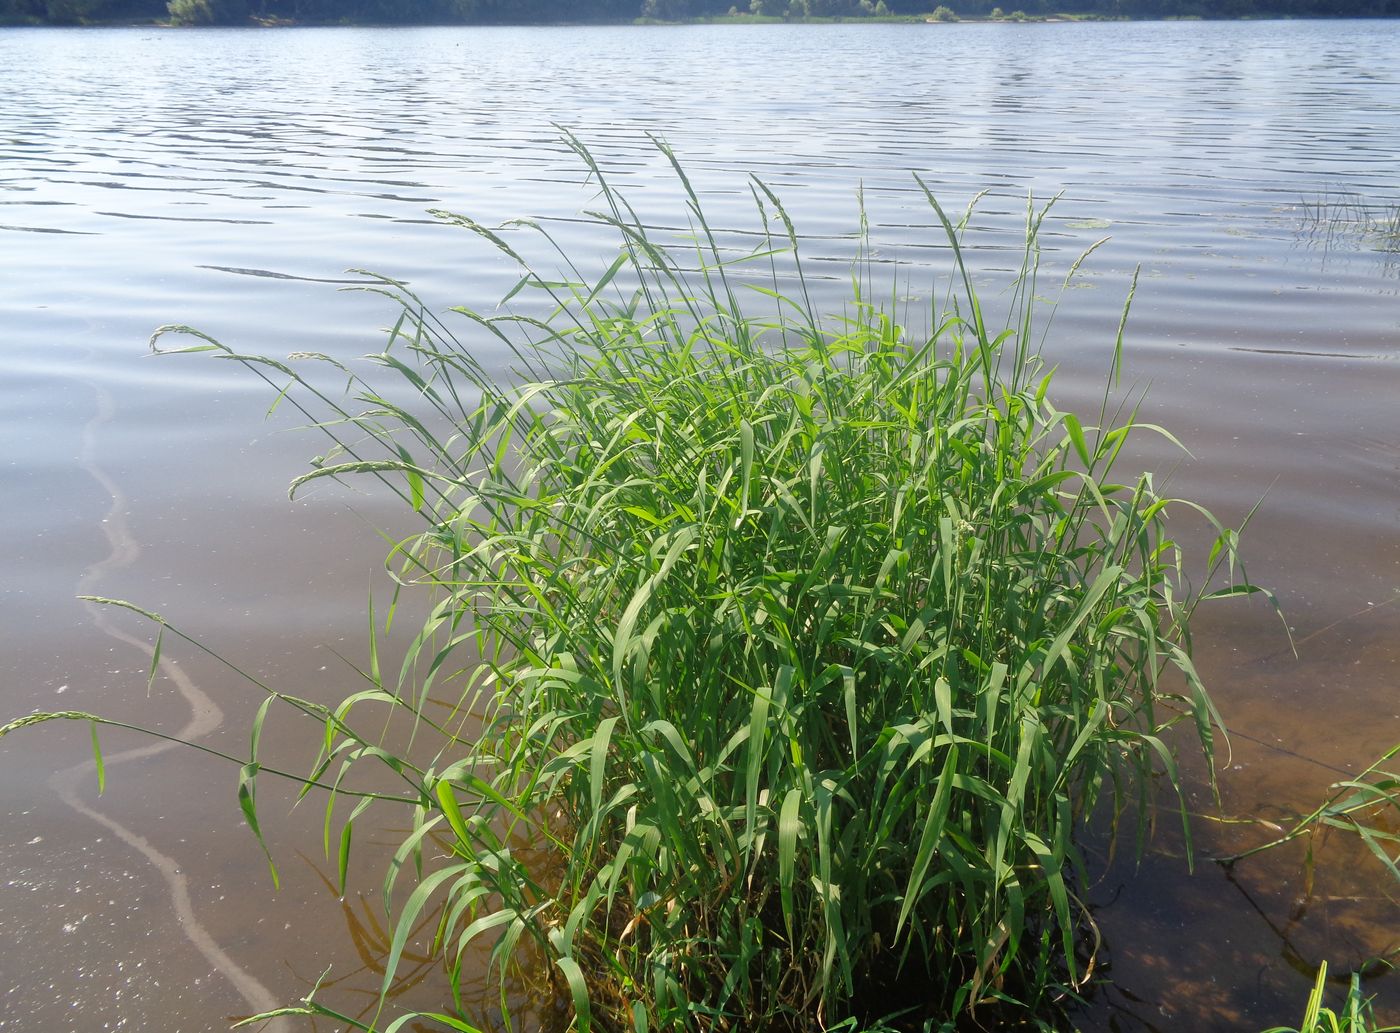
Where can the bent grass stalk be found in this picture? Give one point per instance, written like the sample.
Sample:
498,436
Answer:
799,646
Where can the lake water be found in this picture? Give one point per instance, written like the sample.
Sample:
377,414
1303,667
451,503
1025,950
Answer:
227,179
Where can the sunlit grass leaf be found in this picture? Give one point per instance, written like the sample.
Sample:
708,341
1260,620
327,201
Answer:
247,779
97,760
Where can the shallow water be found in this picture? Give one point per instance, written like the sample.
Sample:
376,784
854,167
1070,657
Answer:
226,179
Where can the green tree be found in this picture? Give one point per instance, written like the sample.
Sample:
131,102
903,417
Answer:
191,12
70,12
208,12
665,10
19,12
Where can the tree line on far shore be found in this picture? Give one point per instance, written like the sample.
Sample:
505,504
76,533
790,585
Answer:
429,12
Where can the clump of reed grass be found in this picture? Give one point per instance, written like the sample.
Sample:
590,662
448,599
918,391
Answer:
775,659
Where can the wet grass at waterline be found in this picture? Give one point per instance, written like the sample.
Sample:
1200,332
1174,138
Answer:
776,657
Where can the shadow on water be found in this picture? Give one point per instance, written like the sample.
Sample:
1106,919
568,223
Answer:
1238,946
421,970
356,989
1247,960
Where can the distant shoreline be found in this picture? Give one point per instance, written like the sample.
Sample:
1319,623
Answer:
1063,18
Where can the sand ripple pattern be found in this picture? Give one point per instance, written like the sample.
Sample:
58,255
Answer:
205,717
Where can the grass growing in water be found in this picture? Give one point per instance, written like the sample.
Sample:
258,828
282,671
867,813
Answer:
799,646
1354,1016
1343,220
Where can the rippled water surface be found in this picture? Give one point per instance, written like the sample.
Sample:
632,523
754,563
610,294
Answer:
228,179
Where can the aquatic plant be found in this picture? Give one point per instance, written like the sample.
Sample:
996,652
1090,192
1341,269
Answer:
1348,221
1355,1016
775,658
1358,806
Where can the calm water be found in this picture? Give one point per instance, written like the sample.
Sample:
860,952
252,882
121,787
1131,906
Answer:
227,179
